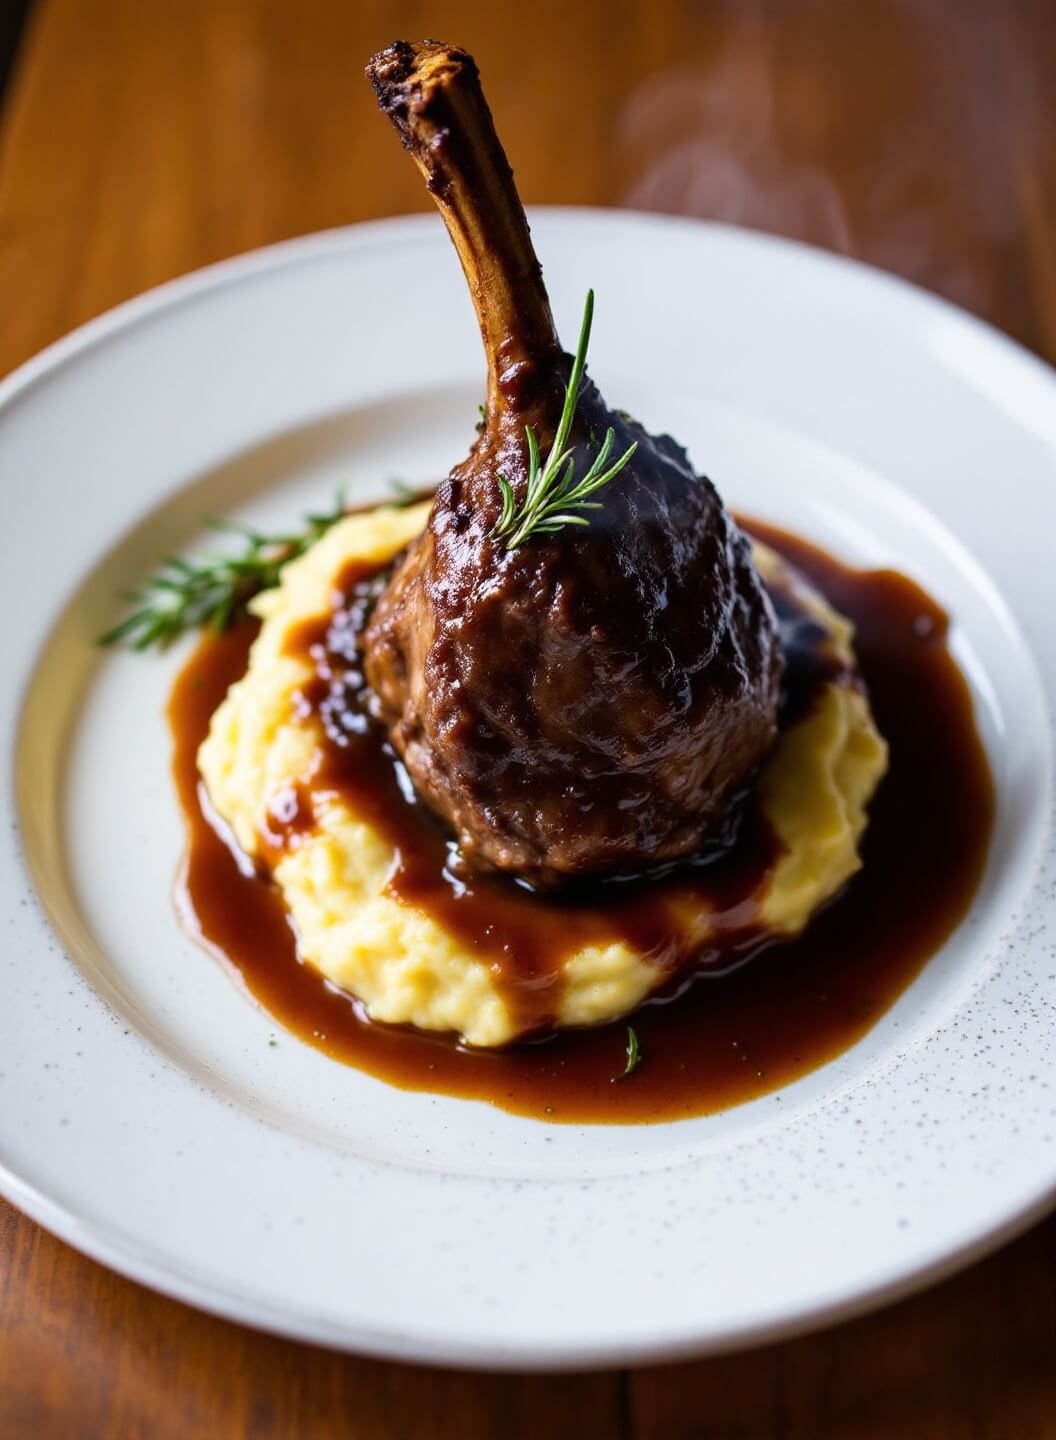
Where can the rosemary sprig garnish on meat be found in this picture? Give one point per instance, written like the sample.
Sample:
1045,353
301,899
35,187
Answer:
213,591
554,497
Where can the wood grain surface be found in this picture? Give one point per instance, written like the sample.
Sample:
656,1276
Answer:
140,140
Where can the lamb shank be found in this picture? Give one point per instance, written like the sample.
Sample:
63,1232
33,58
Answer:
581,699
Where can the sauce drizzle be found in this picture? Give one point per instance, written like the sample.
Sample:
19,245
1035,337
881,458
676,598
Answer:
746,1018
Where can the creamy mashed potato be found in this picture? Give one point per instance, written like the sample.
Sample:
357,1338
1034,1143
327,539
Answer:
398,960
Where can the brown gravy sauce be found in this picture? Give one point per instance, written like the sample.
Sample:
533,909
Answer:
748,1014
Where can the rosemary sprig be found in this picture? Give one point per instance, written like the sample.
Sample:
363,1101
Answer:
213,591
553,496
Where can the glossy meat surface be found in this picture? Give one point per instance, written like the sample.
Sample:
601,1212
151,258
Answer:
591,702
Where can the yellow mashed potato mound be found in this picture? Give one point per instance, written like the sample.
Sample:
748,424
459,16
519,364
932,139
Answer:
403,966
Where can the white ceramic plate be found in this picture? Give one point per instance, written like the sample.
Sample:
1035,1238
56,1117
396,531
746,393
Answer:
145,1114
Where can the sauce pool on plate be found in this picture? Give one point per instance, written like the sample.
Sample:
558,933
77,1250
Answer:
735,1024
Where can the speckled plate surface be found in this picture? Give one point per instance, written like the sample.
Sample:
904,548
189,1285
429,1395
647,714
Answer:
156,1119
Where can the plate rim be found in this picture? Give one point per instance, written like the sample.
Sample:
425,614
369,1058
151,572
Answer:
247,263
105,1246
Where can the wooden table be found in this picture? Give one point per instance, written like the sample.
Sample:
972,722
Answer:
144,139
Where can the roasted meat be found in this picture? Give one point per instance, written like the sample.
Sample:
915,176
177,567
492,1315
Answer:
591,700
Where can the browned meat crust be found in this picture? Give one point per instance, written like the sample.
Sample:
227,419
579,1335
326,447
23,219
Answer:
592,702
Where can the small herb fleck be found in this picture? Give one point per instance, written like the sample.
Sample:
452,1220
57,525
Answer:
634,1055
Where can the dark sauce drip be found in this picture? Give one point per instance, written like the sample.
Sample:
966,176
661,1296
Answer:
735,1023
